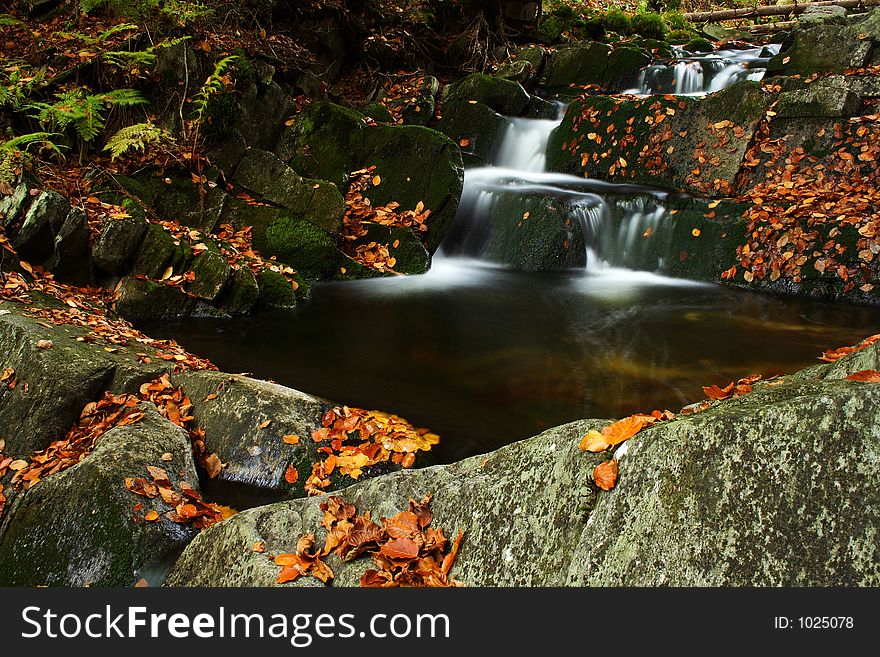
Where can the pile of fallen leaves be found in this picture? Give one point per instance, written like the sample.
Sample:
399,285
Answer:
810,212
187,506
110,412
359,209
356,438
833,355
405,549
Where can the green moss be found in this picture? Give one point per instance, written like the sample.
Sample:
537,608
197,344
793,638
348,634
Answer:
649,25
302,245
275,290
699,44
616,20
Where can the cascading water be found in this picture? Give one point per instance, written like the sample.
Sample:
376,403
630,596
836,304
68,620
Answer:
607,221
697,74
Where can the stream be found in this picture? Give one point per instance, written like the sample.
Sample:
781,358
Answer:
485,355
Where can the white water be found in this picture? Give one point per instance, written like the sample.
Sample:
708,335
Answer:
698,74
614,220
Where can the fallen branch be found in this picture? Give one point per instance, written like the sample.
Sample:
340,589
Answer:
773,10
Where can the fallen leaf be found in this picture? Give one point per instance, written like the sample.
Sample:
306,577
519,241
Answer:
605,474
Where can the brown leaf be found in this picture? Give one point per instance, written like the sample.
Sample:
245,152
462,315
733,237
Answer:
401,548
605,474
865,376
291,474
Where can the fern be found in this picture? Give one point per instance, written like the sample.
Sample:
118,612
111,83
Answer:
117,29
16,85
129,60
83,111
8,21
215,84
138,137
12,149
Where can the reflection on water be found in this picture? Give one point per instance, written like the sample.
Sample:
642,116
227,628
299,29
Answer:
486,356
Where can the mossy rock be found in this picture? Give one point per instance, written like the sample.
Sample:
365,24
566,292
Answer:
403,245
117,244
418,109
475,127
243,292
300,244
624,65
175,197
275,290
518,71
504,96
699,44
575,65
33,241
376,111
212,274
158,251
348,269
105,542
818,101
141,300
265,175
70,262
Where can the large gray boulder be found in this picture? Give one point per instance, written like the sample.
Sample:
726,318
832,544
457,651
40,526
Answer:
79,527
778,487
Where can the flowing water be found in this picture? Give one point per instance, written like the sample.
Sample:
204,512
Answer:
485,355
697,74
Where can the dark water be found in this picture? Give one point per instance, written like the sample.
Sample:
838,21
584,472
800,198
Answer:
486,356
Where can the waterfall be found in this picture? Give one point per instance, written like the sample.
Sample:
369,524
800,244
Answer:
613,222
697,74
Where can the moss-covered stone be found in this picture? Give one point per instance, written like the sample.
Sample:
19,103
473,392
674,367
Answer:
817,101
503,96
212,274
141,300
624,64
34,239
275,290
698,44
376,111
70,262
103,542
158,251
575,65
300,244
265,175
474,125
403,245
117,245
243,292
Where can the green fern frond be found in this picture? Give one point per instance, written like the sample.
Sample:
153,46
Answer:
212,86
11,151
138,137
123,97
117,29
129,60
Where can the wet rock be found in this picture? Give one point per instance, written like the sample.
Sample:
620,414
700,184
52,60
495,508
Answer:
300,244
475,125
231,410
503,96
518,71
410,254
260,112
541,109
418,109
275,290
519,525
117,245
817,101
34,240
70,262
265,175
376,111
176,197
226,154
158,251
13,207
53,385
779,487
79,525
624,65
243,292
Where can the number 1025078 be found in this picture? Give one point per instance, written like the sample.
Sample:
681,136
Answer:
814,623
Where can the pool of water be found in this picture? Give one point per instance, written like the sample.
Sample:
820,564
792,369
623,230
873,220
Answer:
486,356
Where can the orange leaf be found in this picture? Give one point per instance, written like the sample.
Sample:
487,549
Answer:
291,475
625,429
594,441
291,439
401,548
865,376
605,474
151,516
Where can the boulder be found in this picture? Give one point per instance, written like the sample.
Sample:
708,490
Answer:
79,527
275,291
575,65
70,261
54,384
117,245
624,65
403,245
300,244
418,109
142,300
265,175
816,101
158,251
475,128
503,96
212,274
34,240
231,410
775,488
521,508
243,292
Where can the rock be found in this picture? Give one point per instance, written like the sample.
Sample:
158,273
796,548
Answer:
478,126
503,96
265,175
822,16
418,109
226,154
55,384
410,254
44,218
255,458
519,71
541,109
243,292
775,488
320,203
817,101
103,542
414,163
70,262
14,206
825,45
575,65
521,508
275,290
117,245
624,65
689,130
141,300
175,197
212,273
180,74
262,108
158,251
300,244
699,44
376,111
